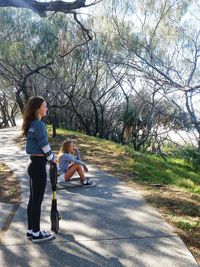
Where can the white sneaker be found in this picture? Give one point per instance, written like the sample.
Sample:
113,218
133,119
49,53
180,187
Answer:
61,178
42,236
88,182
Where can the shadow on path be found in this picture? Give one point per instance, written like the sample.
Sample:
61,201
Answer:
106,225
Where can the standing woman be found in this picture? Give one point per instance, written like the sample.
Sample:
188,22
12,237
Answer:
37,146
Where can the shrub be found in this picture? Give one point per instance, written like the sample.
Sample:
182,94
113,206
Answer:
192,156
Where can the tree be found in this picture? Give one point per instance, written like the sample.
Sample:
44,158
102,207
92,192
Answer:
162,45
42,8
8,109
35,50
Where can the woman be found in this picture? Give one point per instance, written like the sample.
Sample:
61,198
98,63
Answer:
68,164
40,152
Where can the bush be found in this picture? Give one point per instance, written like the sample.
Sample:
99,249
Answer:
192,156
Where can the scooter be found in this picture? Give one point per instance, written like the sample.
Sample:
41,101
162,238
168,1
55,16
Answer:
55,215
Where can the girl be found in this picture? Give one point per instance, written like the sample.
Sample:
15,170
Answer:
40,152
68,164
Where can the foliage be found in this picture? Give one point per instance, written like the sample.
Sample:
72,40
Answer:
127,84
192,156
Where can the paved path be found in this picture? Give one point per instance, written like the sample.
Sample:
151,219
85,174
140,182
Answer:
107,225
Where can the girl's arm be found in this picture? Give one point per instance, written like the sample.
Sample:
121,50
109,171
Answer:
42,138
78,157
68,157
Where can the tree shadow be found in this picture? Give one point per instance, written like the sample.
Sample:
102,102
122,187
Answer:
70,253
105,226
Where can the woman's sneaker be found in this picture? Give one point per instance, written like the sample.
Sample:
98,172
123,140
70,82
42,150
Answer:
29,236
43,235
88,182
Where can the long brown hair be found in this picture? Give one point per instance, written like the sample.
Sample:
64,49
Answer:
64,148
30,112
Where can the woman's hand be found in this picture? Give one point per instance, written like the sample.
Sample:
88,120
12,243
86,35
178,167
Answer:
53,161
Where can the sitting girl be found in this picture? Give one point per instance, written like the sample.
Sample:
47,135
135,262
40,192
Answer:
69,164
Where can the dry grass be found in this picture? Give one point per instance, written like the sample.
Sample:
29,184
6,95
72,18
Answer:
178,207
10,191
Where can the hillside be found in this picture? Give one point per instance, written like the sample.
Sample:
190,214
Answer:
171,186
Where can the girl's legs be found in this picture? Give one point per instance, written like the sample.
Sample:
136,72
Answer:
38,177
70,172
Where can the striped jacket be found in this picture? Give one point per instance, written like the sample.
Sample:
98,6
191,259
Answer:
37,140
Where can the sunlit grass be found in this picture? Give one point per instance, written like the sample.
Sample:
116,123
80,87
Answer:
178,199
139,167
188,225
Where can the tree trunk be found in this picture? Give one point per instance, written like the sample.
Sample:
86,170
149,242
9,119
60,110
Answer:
199,142
54,126
20,102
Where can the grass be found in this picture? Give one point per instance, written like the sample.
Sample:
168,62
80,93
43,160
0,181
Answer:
178,196
188,226
143,168
9,187
10,193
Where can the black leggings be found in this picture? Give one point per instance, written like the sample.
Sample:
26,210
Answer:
38,178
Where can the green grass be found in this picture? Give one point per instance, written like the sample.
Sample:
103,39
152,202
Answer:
176,201
188,226
174,171
140,167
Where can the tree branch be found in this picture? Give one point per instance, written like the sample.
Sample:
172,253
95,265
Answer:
42,7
